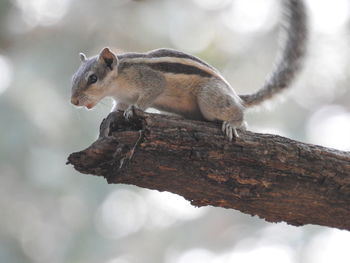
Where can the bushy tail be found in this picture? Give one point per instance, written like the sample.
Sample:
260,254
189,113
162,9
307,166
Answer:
290,58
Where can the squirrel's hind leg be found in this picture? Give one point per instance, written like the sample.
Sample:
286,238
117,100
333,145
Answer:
217,103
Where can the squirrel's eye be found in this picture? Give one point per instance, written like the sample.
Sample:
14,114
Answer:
92,79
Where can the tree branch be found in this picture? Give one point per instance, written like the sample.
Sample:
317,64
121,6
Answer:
273,177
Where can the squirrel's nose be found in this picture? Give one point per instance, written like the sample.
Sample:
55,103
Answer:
75,101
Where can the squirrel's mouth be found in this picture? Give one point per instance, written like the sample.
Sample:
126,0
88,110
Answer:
89,105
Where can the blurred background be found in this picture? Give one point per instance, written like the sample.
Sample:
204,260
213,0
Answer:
51,213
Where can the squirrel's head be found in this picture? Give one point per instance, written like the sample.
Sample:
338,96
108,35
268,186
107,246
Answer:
92,81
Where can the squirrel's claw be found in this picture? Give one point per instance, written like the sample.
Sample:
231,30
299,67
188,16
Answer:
129,112
229,130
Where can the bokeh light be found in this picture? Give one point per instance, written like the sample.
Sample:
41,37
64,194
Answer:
322,84
191,33
42,12
195,255
264,254
213,4
330,126
331,245
329,16
118,260
251,16
6,70
121,214
171,208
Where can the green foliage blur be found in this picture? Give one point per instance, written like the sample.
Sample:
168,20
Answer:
51,213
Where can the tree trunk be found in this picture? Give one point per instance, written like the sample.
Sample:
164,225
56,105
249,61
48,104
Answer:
273,177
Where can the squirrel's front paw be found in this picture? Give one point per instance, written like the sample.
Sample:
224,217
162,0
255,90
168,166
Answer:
130,112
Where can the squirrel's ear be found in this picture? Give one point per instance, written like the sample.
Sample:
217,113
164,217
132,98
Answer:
82,56
108,58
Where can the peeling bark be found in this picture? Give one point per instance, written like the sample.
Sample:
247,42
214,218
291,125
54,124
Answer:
273,177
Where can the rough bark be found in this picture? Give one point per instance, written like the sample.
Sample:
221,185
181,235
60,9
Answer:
273,177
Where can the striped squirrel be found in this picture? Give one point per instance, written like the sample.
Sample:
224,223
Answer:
175,82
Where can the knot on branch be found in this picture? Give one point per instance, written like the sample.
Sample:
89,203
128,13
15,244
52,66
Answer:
114,148
116,122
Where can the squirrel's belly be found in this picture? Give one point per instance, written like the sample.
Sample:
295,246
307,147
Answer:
186,106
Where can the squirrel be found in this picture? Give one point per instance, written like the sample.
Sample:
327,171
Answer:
176,82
